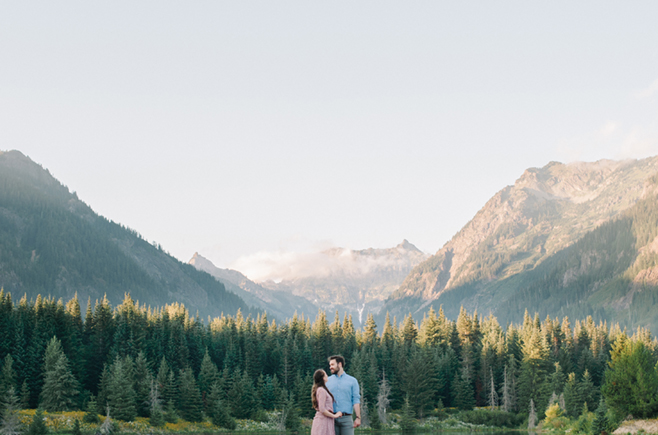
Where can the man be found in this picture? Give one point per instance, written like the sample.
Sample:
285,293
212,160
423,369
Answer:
345,390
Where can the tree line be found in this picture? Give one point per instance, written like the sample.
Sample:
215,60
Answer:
132,361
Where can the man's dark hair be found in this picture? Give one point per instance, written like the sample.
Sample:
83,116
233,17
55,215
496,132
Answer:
339,359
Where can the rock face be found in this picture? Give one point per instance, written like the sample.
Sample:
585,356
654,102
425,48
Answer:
523,226
356,282
280,304
51,243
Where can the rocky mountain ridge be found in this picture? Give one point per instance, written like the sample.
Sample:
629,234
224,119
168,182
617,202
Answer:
546,211
356,282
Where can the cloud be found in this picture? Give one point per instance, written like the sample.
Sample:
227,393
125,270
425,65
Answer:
287,265
647,92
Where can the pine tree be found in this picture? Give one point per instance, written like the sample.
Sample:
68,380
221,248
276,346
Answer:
76,428
463,391
38,425
170,414
208,376
156,416
91,416
600,424
407,417
420,381
7,376
142,386
60,388
121,393
10,421
25,395
290,415
631,383
219,414
189,397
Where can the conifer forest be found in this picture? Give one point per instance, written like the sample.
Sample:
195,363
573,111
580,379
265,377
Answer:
135,361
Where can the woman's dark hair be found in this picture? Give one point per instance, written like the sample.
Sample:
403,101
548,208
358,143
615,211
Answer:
318,382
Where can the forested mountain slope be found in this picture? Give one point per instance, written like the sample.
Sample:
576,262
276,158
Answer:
51,243
573,239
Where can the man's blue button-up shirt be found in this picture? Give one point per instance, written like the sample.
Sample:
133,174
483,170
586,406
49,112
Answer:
346,392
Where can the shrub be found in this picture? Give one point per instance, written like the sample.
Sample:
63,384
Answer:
38,425
492,418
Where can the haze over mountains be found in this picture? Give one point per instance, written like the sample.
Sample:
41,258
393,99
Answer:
356,282
566,239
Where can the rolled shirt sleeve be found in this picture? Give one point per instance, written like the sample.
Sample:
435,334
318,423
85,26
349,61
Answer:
356,394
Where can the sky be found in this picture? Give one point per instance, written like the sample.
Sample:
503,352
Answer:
253,130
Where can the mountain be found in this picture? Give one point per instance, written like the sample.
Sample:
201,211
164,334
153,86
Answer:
51,243
280,304
356,282
574,239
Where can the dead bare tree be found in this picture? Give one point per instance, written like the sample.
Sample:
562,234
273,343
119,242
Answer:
383,398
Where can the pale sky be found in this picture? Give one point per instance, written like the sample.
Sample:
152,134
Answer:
250,128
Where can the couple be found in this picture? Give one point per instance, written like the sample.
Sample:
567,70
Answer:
334,398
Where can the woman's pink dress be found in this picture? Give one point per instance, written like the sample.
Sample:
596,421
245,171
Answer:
323,425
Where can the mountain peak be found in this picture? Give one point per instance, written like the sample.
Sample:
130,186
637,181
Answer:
546,210
408,246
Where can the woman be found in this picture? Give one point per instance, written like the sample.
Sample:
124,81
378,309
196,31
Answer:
323,402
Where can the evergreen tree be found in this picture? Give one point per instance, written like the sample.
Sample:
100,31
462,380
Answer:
38,424
60,388
121,393
631,383
170,414
76,428
420,381
91,416
464,396
290,415
142,386
588,392
25,396
103,390
7,376
601,423
10,421
208,376
218,412
190,404
156,415
407,417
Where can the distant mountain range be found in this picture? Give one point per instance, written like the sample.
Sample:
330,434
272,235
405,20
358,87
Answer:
282,305
576,239
349,281
565,240
53,244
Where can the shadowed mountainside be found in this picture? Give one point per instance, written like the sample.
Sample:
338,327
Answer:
51,243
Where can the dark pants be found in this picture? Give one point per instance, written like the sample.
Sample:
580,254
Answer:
344,425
